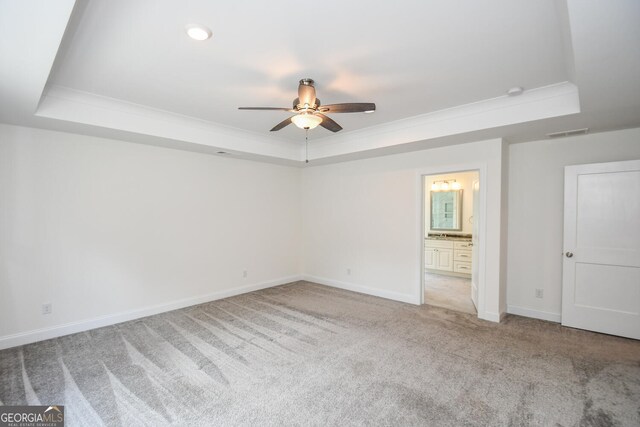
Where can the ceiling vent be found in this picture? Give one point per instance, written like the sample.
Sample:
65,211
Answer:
565,133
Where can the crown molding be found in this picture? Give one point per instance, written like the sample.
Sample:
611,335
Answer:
70,105
66,104
541,103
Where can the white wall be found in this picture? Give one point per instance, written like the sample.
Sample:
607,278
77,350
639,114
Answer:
101,227
536,198
108,230
365,215
466,181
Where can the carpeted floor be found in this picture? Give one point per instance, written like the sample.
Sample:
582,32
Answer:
306,354
449,292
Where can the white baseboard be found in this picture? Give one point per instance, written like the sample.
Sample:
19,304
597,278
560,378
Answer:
22,338
492,317
396,296
536,314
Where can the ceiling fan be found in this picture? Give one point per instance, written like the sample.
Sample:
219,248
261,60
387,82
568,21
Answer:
310,113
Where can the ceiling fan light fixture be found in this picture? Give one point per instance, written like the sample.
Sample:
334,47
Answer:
306,120
198,32
310,113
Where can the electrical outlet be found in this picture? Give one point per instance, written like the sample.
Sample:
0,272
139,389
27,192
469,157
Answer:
244,273
539,293
47,308
348,272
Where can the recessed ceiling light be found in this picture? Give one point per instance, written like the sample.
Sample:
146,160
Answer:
370,111
515,91
198,32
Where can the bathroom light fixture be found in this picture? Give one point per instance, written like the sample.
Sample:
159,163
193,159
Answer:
198,32
446,185
306,120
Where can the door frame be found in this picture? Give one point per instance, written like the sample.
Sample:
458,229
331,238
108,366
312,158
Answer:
481,168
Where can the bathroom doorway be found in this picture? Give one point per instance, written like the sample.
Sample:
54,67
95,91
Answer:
450,224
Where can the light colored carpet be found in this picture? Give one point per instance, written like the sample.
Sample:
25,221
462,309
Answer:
305,354
449,292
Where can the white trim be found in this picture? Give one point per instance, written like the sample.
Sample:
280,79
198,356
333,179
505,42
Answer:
536,314
85,108
35,335
396,296
555,100
481,168
492,317
63,103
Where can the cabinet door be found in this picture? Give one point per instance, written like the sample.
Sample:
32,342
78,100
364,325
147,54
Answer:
430,257
445,260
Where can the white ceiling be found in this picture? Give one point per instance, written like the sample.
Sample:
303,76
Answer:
410,60
435,69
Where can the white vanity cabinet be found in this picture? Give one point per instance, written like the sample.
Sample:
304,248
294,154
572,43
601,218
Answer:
448,255
439,257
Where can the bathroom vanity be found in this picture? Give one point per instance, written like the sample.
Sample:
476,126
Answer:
448,255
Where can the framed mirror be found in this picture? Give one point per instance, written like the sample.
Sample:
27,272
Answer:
446,210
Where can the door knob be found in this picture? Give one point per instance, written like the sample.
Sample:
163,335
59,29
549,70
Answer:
569,254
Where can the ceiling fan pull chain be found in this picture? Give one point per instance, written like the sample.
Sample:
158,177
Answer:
306,144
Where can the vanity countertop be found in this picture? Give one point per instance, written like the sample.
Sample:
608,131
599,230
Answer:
466,238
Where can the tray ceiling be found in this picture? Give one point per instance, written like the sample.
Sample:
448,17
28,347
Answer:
438,71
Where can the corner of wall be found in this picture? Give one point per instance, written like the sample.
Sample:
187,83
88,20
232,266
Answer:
504,225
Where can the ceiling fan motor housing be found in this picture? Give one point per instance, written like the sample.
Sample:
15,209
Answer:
297,106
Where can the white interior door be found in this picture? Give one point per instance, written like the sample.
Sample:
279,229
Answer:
475,258
601,270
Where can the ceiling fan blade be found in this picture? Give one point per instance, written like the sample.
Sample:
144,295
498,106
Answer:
349,107
265,108
284,123
306,93
329,123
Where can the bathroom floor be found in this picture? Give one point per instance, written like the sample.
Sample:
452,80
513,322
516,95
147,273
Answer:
449,292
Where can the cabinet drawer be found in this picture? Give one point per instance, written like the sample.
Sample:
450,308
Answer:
462,267
462,245
462,255
429,243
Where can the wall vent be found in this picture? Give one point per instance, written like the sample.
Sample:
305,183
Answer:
565,133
